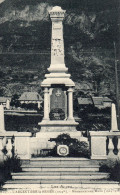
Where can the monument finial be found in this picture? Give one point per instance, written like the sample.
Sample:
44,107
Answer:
57,12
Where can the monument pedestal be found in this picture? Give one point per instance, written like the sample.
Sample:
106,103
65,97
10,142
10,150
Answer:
44,138
58,126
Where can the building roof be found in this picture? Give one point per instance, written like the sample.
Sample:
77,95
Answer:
106,99
30,96
84,101
101,100
98,100
4,99
95,100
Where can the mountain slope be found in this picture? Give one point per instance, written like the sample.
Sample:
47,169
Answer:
90,28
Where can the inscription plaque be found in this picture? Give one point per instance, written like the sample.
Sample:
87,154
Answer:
57,99
57,49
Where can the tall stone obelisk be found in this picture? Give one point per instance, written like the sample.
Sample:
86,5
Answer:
57,43
114,125
58,87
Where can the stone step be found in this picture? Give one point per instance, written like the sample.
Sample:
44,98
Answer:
63,177
58,159
81,184
37,181
52,164
58,173
61,166
60,169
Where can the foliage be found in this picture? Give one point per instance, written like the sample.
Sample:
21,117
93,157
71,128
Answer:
2,74
13,164
112,167
62,139
91,25
76,148
14,101
93,118
2,177
85,110
1,92
115,173
105,166
22,123
57,114
75,104
24,105
10,165
30,106
80,149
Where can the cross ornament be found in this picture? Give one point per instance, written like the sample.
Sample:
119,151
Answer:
58,93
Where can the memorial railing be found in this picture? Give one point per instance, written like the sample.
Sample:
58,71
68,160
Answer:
15,142
104,144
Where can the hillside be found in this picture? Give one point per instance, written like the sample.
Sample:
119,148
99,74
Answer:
90,28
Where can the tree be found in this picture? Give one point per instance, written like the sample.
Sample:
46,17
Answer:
31,106
14,101
24,105
2,74
1,92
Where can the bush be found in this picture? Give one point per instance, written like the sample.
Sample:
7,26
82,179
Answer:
64,139
24,105
10,165
115,172
107,166
1,174
111,167
76,148
13,164
15,101
79,149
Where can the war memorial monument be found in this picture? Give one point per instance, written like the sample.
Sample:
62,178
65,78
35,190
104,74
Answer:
58,119
58,87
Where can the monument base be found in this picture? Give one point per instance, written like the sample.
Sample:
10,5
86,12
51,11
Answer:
51,129
44,137
58,125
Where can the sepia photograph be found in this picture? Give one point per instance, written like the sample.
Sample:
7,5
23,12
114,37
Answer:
59,96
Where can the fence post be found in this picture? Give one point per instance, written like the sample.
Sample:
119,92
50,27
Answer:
22,145
98,144
110,147
9,148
